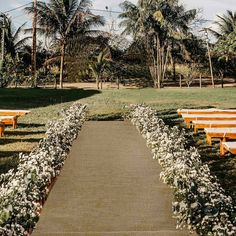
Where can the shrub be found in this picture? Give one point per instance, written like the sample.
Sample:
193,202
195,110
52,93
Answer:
199,201
23,191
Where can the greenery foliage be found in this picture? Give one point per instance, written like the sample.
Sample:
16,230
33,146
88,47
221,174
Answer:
99,65
225,47
66,20
200,202
23,191
159,25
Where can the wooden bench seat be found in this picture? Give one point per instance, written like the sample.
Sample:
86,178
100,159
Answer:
9,120
206,111
188,118
8,112
228,147
9,117
222,133
202,124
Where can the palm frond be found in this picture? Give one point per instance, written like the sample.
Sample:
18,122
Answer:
22,42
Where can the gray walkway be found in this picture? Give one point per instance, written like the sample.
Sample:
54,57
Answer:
109,186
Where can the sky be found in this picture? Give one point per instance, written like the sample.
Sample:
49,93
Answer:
209,9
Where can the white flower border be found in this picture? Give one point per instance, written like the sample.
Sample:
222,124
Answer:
23,191
199,201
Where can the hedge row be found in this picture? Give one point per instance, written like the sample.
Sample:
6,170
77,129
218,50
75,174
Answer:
22,192
200,203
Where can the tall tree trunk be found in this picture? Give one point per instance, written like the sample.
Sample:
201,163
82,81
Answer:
97,82
173,65
159,51
63,46
101,81
33,56
165,57
222,78
151,58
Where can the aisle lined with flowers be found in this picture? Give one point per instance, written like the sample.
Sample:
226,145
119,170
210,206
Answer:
109,186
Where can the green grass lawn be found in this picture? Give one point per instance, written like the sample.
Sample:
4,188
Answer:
45,105
165,99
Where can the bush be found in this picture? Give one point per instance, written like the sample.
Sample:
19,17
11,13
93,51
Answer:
23,191
199,201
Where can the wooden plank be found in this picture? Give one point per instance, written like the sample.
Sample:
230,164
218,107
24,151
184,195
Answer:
205,111
202,124
6,112
221,133
228,146
189,118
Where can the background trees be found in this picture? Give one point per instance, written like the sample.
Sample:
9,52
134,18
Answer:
14,45
66,19
163,45
159,25
99,65
225,47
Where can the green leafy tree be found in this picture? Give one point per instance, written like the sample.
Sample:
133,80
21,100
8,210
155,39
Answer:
225,24
225,47
157,23
11,71
99,65
14,40
66,20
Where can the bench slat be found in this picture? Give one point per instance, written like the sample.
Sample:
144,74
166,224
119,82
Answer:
228,146
6,112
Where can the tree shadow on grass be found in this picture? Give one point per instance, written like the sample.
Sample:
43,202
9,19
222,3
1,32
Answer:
9,160
21,132
6,154
12,140
30,125
34,98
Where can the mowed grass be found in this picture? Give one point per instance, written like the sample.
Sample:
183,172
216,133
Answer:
113,101
46,104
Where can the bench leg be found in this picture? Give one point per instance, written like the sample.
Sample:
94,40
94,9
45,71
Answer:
2,128
188,125
14,123
209,140
195,129
222,149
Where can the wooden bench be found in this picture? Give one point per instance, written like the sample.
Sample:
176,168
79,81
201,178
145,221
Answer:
8,112
202,124
206,111
222,133
188,118
2,129
228,147
9,117
9,120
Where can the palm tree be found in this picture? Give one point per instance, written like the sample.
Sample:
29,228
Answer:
99,65
156,23
225,46
13,38
66,20
225,24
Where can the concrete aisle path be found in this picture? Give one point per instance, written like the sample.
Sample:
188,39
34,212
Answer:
109,186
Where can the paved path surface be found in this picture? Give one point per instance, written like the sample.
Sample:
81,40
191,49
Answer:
109,186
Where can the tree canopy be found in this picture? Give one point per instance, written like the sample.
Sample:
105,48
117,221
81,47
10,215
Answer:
66,19
159,24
